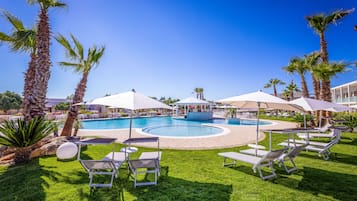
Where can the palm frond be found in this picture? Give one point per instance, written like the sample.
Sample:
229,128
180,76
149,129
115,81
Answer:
79,47
16,22
5,37
65,43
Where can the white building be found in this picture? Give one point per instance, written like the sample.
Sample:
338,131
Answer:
345,94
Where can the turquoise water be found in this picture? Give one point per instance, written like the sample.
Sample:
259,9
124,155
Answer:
154,121
183,130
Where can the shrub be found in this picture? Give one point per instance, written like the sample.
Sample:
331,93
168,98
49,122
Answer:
21,135
347,119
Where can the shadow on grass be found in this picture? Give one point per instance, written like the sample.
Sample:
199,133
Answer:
321,182
334,157
171,188
25,182
168,188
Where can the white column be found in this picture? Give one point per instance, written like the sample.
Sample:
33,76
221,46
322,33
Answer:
341,93
348,93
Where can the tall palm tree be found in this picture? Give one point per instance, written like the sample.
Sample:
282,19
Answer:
325,72
272,83
311,62
43,56
320,23
298,65
22,39
82,65
291,88
199,93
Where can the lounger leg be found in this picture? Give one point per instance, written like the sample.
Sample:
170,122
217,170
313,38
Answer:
226,164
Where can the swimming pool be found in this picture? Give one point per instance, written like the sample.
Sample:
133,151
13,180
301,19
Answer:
166,126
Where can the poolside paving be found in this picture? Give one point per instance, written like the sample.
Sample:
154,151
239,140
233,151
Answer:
236,136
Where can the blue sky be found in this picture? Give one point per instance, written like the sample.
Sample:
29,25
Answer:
167,48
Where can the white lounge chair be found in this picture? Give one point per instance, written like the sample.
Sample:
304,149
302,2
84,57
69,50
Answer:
144,166
336,137
100,167
323,149
330,135
257,162
291,155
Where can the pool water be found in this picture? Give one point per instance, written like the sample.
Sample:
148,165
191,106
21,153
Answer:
183,130
143,122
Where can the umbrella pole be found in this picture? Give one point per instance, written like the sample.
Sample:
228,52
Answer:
131,123
256,142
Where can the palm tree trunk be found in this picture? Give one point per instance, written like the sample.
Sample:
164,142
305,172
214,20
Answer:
22,155
305,91
28,87
43,66
323,45
275,92
316,84
73,110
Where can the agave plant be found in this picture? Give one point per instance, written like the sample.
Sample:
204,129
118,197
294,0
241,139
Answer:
22,134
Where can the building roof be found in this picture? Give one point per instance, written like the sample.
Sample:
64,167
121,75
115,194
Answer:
345,85
192,101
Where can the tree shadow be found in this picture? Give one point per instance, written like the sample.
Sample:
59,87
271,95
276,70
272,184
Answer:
322,182
168,188
172,188
26,182
334,157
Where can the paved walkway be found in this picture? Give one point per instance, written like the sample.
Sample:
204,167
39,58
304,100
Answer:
236,136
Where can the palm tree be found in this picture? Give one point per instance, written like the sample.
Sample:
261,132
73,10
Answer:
22,134
291,88
298,65
43,56
80,65
325,72
23,40
272,83
320,23
199,93
311,61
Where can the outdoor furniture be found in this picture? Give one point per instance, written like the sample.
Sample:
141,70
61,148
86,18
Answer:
147,163
336,137
258,162
291,155
100,167
317,135
323,149
109,165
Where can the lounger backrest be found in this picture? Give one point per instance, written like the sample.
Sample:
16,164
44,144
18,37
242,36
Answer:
296,151
325,127
272,155
97,164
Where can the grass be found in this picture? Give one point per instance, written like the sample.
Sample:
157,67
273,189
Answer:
190,175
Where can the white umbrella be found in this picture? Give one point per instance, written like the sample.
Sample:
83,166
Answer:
311,105
260,100
129,100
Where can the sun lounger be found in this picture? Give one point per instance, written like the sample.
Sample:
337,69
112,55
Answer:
330,135
144,166
324,150
257,162
336,134
100,167
290,156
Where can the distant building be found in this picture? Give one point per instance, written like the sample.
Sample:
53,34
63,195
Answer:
345,94
52,102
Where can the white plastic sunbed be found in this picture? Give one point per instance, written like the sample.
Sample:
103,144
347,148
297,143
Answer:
324,150
257,162
317,135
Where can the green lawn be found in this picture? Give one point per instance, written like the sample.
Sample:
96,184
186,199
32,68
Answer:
190,175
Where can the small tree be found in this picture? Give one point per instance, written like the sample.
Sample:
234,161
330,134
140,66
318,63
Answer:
22,134
10,100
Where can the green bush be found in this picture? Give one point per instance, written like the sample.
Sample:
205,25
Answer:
348,119
22,135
